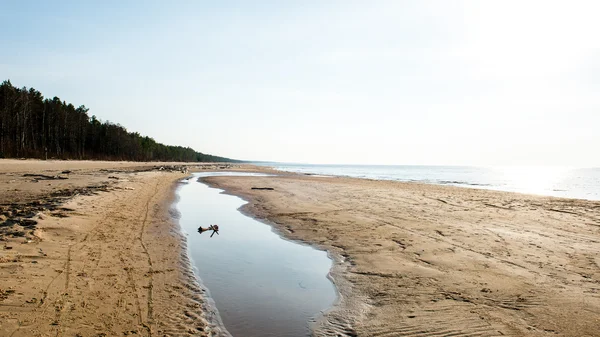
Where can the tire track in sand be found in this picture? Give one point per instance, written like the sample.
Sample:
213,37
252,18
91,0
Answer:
44,302
62,302
130,279
149,259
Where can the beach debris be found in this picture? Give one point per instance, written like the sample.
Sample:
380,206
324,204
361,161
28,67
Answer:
217,166
5,293
44,177
167,168
66,171
263,188
19,219
214,228
28,223
113,177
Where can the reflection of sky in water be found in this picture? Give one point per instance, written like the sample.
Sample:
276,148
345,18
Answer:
583,183
262,285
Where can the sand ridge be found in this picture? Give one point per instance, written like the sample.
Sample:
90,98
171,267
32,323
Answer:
426,260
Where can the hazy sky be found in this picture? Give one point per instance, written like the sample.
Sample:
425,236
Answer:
371,82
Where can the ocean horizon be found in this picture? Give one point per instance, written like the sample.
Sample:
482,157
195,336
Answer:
564,182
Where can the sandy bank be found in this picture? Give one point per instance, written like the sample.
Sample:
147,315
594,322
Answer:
94,252
426,260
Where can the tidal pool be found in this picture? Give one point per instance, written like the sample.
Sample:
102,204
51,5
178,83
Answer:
262,284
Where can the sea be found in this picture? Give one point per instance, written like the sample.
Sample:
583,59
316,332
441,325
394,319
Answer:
565,182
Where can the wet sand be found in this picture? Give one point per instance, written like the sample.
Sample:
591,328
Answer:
425,260
95,252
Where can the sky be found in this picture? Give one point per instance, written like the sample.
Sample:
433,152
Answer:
418,82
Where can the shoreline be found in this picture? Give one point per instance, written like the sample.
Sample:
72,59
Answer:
460,184
471,253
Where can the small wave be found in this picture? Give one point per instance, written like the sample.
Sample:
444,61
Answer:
458,182
448,182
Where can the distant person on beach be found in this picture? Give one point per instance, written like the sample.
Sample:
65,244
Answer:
214,228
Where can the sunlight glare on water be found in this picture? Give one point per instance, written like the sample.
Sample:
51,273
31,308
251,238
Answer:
566,182
530,179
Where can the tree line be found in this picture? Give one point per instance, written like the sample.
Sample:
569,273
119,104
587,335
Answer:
32,126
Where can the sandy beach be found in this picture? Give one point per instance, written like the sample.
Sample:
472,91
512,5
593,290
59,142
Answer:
97,252
426,260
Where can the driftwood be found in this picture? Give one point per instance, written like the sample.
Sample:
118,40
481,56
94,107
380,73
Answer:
44,177
213,228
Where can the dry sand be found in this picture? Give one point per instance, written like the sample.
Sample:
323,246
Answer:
425,260
96,254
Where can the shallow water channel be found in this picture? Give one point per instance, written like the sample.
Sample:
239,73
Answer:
262,284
